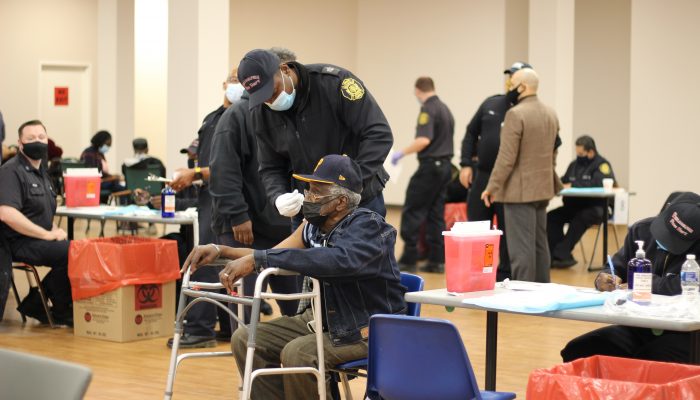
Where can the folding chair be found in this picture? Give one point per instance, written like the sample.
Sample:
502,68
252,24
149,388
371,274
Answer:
413,358
32,274
413,283
28,377
193,289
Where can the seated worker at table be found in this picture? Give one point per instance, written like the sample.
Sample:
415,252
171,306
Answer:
94,157
667,238
27,208
350,250
141,158
588,170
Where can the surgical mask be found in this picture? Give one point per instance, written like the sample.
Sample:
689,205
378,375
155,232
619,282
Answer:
661,246
35,150
312,212
284,100
103,149
234,91
512,95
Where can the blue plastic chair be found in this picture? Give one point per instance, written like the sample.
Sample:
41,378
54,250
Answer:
413,283
420,358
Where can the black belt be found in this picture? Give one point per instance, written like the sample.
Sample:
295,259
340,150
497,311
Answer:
435,160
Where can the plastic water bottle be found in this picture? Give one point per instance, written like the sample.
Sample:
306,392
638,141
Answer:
167,202
690,278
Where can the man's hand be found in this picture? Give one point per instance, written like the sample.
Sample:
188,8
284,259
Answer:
56,234
200,255
465,177
606,282
486,198
243,233
183,178
236,270
289,204
396,156
566,185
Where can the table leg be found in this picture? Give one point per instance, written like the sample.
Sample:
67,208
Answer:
491,349
695,347
71,224
606,216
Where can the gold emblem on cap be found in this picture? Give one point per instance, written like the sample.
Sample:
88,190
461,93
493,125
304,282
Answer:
423,118
341,178
351,89
604,168
318,164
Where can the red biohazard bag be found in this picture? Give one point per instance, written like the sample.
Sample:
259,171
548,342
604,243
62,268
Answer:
97,266
603,377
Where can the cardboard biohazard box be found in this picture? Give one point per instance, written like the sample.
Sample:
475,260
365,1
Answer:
123,287
126,314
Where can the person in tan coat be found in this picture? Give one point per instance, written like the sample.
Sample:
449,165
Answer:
524,179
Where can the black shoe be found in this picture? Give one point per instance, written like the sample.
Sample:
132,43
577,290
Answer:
265,308
188,341
31,306
223,336
63,316
437,268
407,267
565,263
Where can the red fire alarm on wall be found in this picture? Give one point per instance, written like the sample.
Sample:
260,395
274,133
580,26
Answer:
60,96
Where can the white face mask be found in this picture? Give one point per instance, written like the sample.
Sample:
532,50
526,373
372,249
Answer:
234,91
104,149
284,100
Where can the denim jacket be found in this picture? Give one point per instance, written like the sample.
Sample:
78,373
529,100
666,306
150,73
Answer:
356,268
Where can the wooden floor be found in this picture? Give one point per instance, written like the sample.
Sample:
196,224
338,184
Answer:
139,369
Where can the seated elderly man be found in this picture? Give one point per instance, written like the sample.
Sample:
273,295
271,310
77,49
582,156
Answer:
349,250
668,238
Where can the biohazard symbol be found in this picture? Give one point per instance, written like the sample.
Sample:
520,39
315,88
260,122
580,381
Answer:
148,296
351,89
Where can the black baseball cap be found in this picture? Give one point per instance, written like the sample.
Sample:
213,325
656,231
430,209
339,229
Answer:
517,66
256,72
192,148
139,144
338,170
678,226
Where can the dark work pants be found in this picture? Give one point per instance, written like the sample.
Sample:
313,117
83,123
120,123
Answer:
579,220
477,211
625,341
425,202
280,284
52,254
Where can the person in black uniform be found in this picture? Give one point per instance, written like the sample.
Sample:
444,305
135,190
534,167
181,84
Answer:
588,170
27,208
310,111
425,195
668,238
479,150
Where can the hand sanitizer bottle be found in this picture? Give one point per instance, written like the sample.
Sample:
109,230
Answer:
167,202
639,276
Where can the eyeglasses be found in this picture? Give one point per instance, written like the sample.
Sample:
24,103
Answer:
313,197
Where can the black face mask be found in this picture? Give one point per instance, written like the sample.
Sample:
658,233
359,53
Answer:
35,150
512,95
582,160
312,213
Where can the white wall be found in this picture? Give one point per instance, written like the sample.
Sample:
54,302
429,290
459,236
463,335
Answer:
32,32
664,102
460,44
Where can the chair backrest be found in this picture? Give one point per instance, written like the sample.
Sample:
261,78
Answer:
413,283
136,179
418,358
26,376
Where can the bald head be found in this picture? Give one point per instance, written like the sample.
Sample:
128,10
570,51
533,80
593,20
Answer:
526,78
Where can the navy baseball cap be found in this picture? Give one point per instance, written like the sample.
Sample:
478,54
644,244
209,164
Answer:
678,226
256,72
517,66
338,170
192,148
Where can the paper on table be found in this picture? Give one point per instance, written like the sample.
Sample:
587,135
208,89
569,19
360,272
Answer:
536,301
132,210
393,170
582,190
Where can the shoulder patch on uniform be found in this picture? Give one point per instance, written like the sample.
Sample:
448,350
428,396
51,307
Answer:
423,118
604,168
352,89
330,70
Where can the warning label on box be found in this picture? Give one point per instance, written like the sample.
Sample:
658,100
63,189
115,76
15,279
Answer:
148,296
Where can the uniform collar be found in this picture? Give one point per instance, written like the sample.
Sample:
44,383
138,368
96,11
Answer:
22,159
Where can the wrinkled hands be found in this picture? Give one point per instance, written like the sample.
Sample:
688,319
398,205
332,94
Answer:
289,204
236,270
199,256
396,156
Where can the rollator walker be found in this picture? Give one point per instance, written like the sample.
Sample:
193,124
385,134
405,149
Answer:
195,290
